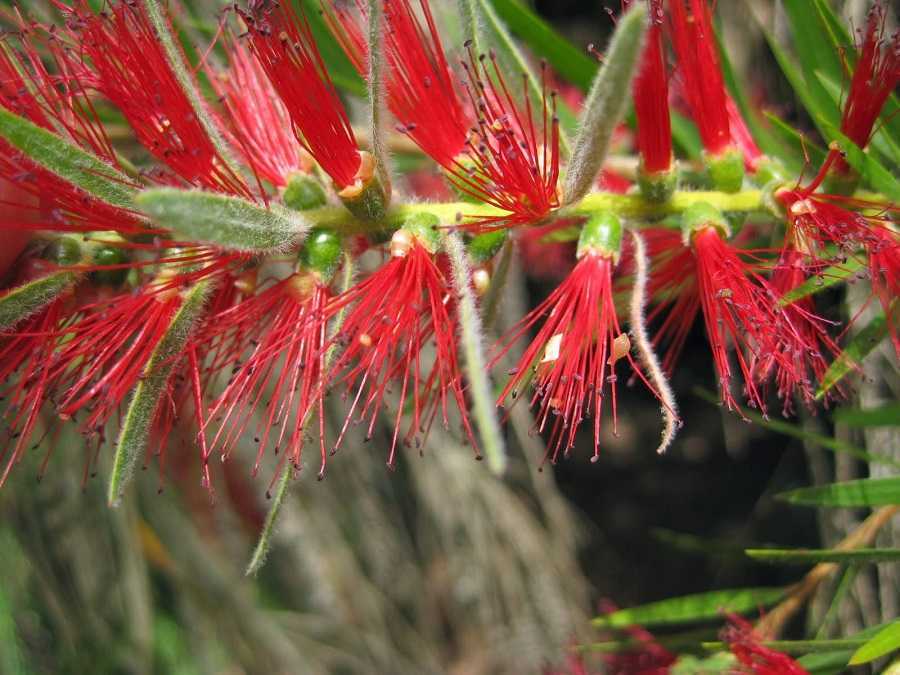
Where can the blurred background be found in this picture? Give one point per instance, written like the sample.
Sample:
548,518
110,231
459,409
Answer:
436,567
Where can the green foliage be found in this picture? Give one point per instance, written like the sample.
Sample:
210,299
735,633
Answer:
855,493
887,640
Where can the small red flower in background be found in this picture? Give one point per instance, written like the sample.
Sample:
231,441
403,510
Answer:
573,356
753,656
876,75
401,309
283,43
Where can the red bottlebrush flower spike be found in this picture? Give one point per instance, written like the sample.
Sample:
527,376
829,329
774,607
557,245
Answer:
395,313
283,43
285,324
27,353
740,308
693,39
651,99
259,123
792,270
573,355
754,657
877,74
508,165
131,69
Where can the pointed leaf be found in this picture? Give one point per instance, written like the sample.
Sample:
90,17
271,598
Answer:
825,279
779,556
606,103
887,415
66,160
471,338
854,493
230,222
23,301
690,608
151,390
885,641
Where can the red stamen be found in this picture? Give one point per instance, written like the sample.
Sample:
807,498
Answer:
651,99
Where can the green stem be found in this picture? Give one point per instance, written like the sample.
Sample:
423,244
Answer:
632,206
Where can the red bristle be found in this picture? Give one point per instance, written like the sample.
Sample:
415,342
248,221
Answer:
740,309
651,99
877,74
421,89
393,315
131,69
573,355
508,164
283,43
279,383
700,76
258,121
25,357
741,136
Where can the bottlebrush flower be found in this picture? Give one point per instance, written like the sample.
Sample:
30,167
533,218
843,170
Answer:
403,308
283,43
877,74
491,149
573,356
259,124
286,326
753,656
740,310
823,221
129,67
651,100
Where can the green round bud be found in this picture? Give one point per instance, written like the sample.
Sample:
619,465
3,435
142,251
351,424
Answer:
726,171
602,233
304,193
701,215
64,251
425,228
110,255
485,246
657,187
321,252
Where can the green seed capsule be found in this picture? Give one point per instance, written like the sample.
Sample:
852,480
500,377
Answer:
321,252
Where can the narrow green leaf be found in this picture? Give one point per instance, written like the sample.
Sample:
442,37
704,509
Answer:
376,97
798,556
860,347
797,646
854,493
147,397
836,274
567,60
886,641
230,222
690,608
66,160
23,301
606,103
686,136
799,143
887,415
812,39
341,71
835,662
471,339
